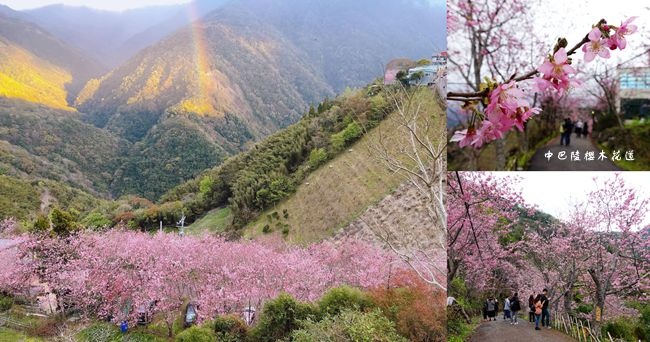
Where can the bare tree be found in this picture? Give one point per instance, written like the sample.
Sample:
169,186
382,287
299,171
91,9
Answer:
606,92
416,151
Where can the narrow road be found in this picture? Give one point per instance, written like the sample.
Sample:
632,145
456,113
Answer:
540,162
501,330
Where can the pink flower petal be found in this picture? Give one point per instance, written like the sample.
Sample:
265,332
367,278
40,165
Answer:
560,56
604,53
595,34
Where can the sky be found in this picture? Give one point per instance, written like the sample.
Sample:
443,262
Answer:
112,5
554,192
556,18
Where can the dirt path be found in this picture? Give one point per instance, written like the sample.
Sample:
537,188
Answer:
539,162
501,330
46,199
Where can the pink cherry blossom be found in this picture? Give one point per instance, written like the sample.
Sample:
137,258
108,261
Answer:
555,73
597,46
617,40
601,248
508,108
464,137
110,274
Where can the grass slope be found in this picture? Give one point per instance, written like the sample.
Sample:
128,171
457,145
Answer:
339,191
24,198
215,220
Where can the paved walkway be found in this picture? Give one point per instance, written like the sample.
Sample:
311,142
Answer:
6,243
539,162
501,330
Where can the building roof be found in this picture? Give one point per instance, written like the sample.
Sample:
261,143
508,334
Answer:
425,68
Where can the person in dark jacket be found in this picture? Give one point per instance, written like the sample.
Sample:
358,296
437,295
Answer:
515,307
567,129
531,307
546,316
492,309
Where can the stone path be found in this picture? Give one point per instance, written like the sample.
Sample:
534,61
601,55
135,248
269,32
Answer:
501,330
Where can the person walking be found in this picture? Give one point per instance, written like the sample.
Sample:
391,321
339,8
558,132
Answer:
585,130
506,308
567,129
531,308
538,311
579,125
515,306
546,317
491,309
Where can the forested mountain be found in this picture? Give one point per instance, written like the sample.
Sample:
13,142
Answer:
112,37
75,152
350,42
37,66
195,95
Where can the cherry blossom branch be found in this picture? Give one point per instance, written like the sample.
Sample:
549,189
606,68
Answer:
505,105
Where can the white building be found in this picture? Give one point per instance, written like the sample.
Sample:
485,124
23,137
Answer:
634,92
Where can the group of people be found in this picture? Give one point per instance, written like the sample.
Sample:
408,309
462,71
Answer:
537,309
511,306
581,128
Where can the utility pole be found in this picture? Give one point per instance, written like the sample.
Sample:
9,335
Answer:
181,224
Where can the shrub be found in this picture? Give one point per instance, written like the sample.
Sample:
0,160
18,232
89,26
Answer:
96,220
230,329
414,306
196,334
340,298
644,322
205,185
139,336
99,332
44,327
6,303
343,138
63,223
280,317
41,224
349,326
620,328
317,156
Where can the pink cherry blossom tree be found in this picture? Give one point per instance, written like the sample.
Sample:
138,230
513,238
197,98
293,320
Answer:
481,21
618,252
487,38
601,250
481,210
118,274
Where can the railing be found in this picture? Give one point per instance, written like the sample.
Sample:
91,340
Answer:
575,328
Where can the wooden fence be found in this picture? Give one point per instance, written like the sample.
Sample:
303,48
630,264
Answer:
582,331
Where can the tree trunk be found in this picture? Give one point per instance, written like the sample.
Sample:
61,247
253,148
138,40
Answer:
452,267
600,295
568,299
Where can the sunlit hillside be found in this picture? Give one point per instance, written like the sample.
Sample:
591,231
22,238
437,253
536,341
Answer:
27,77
